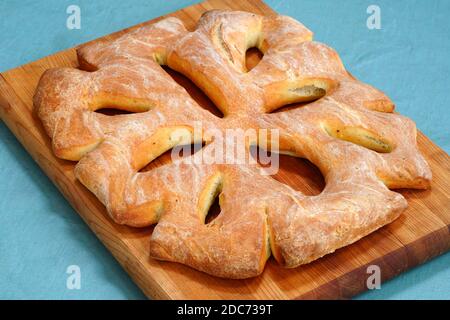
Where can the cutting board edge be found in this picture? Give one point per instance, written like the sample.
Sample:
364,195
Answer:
340,287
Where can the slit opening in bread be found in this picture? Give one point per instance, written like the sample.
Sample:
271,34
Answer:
111,111
197,94
360,136
284,93
306,178
253,56
162,141
242,57
208,196
121,104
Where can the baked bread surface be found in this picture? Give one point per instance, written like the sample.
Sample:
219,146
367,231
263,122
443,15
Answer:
347,130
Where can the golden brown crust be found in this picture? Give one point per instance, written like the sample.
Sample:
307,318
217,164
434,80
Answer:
361,148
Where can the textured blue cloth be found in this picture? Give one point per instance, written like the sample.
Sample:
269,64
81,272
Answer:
41,235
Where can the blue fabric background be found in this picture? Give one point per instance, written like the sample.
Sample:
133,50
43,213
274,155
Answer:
41,235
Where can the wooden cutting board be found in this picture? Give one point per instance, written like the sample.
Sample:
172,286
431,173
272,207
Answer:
421,233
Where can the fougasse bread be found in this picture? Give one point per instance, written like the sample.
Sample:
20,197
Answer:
347,130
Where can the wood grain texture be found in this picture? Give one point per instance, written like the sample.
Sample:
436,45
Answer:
421,233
